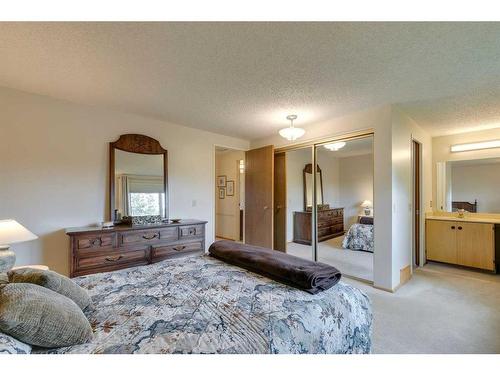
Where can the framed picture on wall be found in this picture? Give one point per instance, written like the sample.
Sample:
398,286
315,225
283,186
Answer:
221,181
222,193
230,188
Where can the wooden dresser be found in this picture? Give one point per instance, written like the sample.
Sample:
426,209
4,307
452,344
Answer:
94,250
461,242
330,225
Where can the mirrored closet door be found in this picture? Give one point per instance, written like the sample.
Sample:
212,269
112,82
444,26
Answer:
324,204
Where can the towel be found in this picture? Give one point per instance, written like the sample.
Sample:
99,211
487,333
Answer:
312,277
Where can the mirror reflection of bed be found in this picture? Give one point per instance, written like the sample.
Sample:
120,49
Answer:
345,210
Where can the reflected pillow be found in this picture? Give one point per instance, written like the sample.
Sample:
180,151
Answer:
366,220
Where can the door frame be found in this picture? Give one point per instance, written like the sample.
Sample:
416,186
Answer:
214,187
421,222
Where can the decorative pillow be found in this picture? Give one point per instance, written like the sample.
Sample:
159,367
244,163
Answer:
53,281
9,345
41,317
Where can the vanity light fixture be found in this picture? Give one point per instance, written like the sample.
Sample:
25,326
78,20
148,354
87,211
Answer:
292,133
335,146
475,146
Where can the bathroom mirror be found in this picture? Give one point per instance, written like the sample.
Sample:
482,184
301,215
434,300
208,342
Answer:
308,196
138,178
471,185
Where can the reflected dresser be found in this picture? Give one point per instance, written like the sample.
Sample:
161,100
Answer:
93,249
330,225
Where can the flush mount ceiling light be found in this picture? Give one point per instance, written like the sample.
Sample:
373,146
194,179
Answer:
335,146
292,133
475,146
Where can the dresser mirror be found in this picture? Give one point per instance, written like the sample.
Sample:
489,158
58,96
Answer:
470,185
138,179
308,189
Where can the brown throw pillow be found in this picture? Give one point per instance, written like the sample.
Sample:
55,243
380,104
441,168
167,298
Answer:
53,281
39,316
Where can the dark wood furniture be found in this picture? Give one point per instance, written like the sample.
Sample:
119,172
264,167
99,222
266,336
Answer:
467,206
94,250
139,144
330,225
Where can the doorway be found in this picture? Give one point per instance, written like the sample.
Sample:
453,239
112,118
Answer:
229,194
417,203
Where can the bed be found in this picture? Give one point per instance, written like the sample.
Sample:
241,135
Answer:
359,237
202,305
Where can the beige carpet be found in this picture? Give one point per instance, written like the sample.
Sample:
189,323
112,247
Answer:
358,264
442,309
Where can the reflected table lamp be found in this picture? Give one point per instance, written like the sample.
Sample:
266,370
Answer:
367,205
11,232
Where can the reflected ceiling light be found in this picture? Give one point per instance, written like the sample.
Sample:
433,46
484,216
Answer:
335,146
292,133
475,146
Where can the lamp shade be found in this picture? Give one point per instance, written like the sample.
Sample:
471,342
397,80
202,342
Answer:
12,232
367,204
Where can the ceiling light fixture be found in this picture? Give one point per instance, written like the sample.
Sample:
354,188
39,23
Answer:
292,133
335,146
475,146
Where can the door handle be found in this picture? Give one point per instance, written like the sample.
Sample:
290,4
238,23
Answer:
459,228
265,207
452,227
114,259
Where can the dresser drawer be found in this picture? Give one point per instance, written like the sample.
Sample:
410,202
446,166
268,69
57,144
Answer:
167,251
325,215
191,231
169,234
95,242
137,237
114,258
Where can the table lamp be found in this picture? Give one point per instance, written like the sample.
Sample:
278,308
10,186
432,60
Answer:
367,205
11,232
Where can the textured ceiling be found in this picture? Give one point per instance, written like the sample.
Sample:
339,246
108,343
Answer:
242,79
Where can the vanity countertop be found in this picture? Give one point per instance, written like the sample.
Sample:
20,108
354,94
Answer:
470,219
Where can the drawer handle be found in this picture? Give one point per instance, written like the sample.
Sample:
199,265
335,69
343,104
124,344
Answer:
96,242
149,237
179,248
452,227
114,259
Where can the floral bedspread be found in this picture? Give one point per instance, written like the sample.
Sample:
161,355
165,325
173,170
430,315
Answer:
202,305
359,237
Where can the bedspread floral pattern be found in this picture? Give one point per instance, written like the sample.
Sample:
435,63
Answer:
202,305
9,345
359,237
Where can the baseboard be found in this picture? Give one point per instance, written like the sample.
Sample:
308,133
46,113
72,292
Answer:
404,277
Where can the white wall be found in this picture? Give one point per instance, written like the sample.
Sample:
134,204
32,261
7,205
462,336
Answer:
356,185
441,149
227,210
403,131
479,182
54,168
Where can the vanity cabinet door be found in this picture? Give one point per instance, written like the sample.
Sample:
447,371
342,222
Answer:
475,245
441,241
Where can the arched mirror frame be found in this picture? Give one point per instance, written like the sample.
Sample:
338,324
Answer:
139,144
308,170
